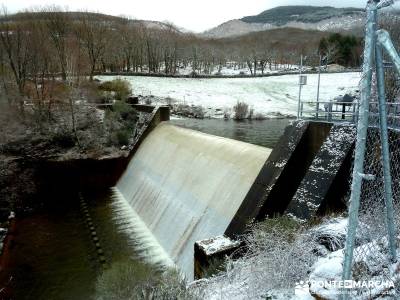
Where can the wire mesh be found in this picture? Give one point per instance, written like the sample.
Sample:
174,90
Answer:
372,261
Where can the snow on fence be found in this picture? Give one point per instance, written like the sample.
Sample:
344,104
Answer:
371,268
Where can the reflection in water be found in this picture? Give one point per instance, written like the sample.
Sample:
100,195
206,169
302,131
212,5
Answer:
264,133
54,257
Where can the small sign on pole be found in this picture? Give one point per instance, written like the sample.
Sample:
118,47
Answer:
303,80
387,65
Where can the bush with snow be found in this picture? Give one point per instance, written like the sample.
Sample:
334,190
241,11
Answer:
241,110
134,281
279,253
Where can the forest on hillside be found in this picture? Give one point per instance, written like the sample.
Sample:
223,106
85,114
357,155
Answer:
41,50
308,14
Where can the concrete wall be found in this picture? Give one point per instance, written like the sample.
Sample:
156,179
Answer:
310,164
328,177
307,175
281,175
186,186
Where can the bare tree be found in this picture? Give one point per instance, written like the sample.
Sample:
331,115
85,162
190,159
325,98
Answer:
93,34
40,68
4,91
58,25
15,41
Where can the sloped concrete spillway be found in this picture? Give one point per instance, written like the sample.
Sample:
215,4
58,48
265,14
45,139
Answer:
183,186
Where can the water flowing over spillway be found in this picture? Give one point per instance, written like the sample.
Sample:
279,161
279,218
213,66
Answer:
183,186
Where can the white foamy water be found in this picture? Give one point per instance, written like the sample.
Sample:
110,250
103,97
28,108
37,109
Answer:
142,240
183,186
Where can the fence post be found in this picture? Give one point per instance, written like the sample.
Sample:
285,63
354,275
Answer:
300,87
384,39
362,129
380,74
319,84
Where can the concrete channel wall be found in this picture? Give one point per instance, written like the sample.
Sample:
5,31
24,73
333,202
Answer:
306,176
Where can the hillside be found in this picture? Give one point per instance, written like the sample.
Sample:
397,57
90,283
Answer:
303,17
77,16
281,38
283,15
234,28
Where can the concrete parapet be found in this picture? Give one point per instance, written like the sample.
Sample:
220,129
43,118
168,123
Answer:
213,250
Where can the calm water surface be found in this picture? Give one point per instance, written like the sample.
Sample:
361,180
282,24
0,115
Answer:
264,133
54,256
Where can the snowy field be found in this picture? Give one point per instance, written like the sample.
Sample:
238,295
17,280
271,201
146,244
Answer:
270,96
232,70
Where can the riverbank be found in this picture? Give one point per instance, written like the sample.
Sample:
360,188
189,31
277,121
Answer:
40,181
222,76
269,97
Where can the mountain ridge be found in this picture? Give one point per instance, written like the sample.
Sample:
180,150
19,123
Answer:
77,15
320,18
282,15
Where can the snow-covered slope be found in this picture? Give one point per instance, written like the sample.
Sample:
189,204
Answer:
308,18
238,27
269,96
235,28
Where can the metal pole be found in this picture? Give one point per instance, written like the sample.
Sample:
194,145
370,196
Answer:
300,72
384,39
319,83
380,75
362,129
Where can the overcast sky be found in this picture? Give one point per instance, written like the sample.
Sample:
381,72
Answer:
194,15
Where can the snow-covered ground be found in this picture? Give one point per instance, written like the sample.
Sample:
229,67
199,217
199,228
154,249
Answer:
273,267
270,96
230,69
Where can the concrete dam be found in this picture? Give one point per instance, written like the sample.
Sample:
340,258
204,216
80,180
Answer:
182,190
183,186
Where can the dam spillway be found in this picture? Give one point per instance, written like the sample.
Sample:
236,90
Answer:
182,186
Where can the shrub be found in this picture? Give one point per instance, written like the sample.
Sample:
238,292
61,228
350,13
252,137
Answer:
121,123
90,90
124,114
130,280
198,112
259,116
241,110
251,113
121,88
278,253
64,139
123,136
122,279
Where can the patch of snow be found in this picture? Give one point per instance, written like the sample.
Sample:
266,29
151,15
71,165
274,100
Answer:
270,96
217,244
369,265
328,268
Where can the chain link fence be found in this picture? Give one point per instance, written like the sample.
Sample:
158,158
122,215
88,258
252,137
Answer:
372,263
